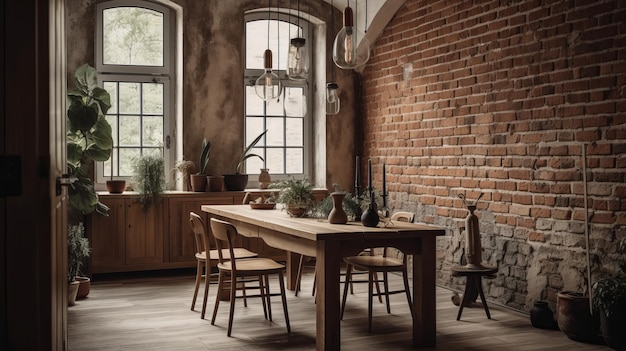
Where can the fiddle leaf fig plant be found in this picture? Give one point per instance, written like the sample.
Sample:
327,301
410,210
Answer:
89,138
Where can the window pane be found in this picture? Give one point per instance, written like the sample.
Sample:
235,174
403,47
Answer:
111,88
113,122
152,131
276,107
295,104
254,164
275,132
132,36
254,104
294,132
256,43
129,131
127,156
153,98
254,127
129,98
275,160
294,161
152,152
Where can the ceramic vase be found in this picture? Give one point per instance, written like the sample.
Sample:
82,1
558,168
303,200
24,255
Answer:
264,178
370,218
337,215
541,316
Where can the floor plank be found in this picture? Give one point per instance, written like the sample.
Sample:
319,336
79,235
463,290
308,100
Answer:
153,313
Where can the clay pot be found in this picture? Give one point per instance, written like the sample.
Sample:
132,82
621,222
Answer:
116,186
72,290
264,178
198,182
541,316
215,183
83,287
574,317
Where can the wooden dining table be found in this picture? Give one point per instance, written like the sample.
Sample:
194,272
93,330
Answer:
329,243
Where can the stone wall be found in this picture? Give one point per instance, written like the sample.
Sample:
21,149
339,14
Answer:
498,98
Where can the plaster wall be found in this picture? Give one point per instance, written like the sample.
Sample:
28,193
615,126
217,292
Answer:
212,83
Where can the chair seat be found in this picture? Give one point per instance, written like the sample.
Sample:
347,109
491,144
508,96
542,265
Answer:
376,262
252,265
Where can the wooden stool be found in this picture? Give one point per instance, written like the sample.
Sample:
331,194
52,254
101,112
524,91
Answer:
473,285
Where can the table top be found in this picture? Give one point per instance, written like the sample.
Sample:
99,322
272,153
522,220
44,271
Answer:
319,229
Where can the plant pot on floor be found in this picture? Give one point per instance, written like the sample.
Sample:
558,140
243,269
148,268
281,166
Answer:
235,182
72,290
198,182
574,317
613,327
83,287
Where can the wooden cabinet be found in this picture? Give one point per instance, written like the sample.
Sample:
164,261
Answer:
131,239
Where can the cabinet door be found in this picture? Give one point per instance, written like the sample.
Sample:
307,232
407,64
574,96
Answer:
182,246
144,233
108,237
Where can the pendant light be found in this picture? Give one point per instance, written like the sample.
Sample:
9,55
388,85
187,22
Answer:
348,52
333,104
298,57
268,86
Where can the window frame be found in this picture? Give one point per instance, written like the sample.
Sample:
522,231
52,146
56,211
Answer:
165,74
250,76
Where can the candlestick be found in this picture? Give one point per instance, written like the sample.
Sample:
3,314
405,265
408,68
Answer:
357,177
369,177
384,186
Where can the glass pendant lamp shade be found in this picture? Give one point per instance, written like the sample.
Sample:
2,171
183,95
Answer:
298,59
333,104
348,52
268,86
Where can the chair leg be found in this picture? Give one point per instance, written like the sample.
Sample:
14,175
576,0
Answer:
299,275
314,280
386,286
380,299
233,292
220,288
195,291
267,292
207,282
345,289
370,291
262,291
284,298
245,298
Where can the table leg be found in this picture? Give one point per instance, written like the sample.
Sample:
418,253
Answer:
293,261
327,305
424,310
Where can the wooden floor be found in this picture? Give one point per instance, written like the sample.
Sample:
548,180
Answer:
153,313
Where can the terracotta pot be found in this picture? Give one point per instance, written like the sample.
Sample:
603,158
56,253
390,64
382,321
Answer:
574,317
83,287
613,328
215,183
198,182
116,186
235,182
72,290
296,211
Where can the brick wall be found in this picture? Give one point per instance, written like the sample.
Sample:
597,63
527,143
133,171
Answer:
498,97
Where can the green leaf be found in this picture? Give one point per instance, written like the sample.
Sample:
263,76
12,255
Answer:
103,98
82,117
74,152
86,78
102,134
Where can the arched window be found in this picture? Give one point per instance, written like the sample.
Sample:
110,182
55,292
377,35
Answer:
135,64
287,145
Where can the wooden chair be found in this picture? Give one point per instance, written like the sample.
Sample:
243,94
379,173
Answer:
230,270
202,244
373,263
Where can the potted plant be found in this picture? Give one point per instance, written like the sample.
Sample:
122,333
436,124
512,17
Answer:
239,181
296,195
198,180
149,178
77,250
89,138
609,301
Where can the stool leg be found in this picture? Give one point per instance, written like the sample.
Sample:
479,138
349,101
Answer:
482,297
470,290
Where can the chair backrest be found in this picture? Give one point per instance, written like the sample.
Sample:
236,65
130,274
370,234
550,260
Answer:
200,233
403,216
224,234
